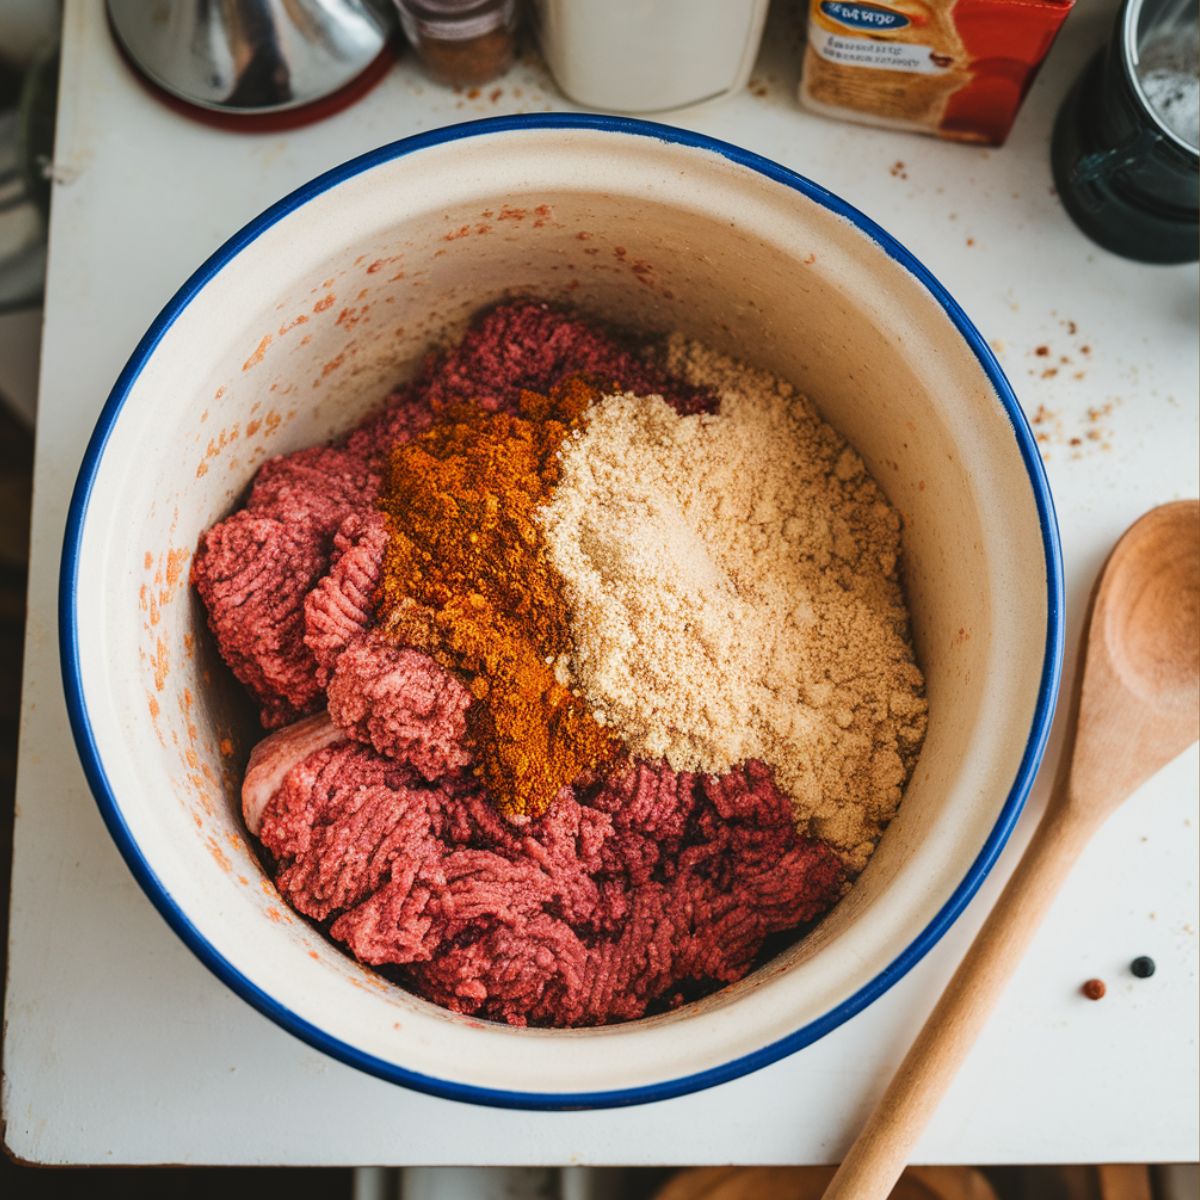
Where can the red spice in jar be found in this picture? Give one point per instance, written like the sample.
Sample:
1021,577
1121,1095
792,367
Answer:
461,43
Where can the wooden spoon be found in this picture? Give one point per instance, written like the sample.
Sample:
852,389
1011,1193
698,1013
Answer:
1137,707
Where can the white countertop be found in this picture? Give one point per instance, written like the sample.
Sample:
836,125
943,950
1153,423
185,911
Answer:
120,1047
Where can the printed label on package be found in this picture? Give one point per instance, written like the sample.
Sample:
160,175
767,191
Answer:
883,56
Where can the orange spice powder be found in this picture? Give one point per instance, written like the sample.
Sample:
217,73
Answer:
467,581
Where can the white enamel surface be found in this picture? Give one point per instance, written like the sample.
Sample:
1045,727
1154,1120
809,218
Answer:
677,238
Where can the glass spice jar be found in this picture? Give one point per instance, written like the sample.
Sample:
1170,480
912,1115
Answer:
461,43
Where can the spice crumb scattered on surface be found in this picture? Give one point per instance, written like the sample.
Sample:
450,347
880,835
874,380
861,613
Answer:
1094,989
1143,966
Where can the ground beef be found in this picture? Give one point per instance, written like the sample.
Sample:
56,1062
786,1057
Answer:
404,414
633,891
643,888
254,571
342,606
528,346
276,755
402,703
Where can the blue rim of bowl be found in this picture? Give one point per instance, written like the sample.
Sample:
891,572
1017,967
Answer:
161,898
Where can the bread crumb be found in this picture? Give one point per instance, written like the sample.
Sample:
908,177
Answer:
733,583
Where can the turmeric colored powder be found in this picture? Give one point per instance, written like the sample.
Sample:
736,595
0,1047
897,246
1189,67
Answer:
466,580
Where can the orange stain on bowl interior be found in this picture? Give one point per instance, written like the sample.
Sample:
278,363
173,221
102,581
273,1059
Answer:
273,914
332,365
314,956
257,356
252,427
327,302
288,326
152,704
225,438
226,747
222,859
162,664
176,561
148,560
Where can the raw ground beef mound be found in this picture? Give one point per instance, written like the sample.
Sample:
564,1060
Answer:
254,570
637,890
527,346
648,887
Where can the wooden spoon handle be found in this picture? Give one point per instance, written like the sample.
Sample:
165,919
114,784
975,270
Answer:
882,1149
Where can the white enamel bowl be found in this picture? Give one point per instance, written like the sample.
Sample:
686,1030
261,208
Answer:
306,317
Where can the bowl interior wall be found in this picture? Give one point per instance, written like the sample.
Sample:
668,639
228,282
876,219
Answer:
306,330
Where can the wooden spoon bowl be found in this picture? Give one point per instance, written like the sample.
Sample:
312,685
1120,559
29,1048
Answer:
1139,698
1152,622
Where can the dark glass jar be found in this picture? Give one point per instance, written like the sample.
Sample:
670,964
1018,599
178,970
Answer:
461,43
1128,178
